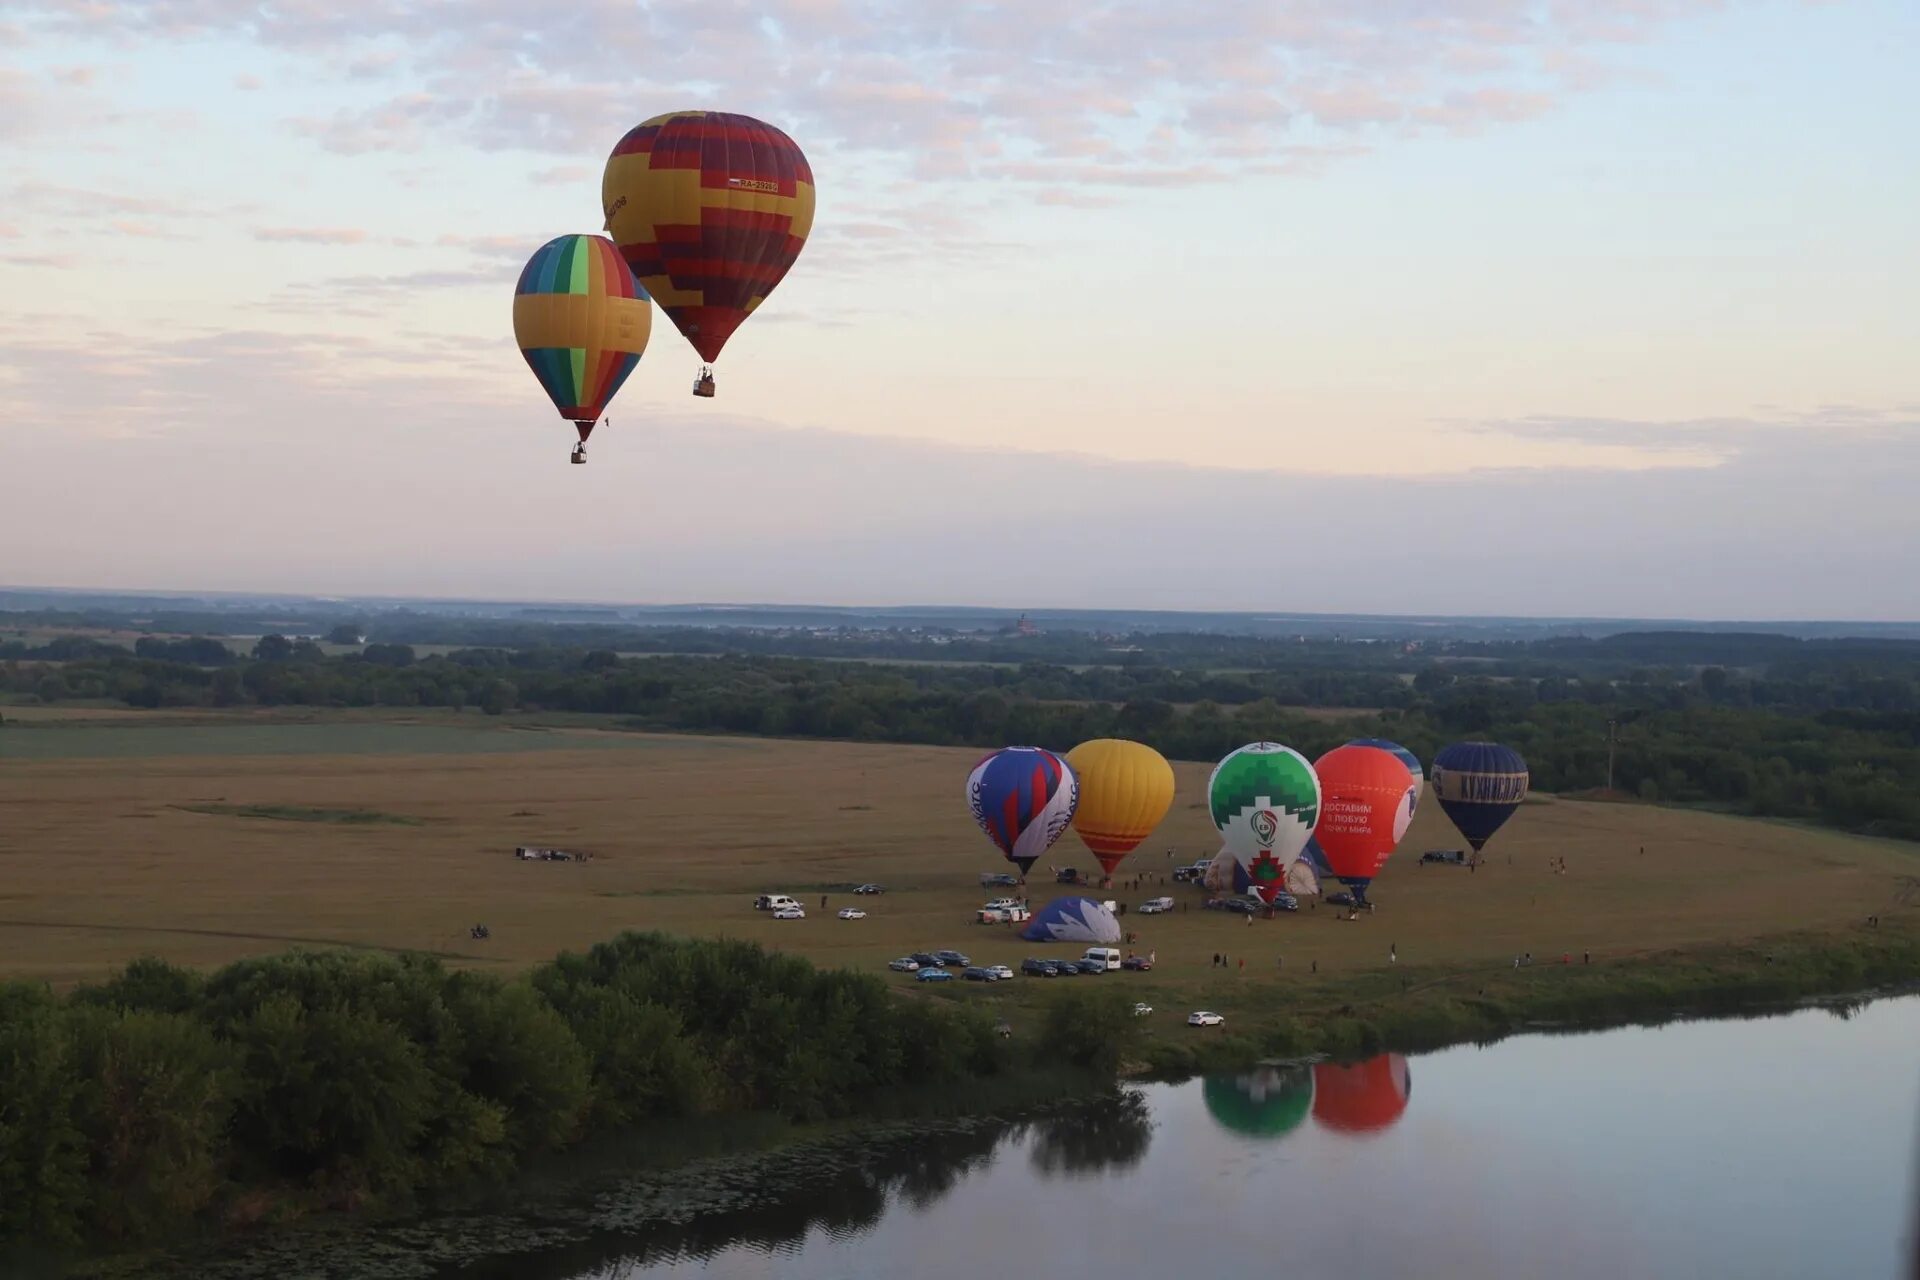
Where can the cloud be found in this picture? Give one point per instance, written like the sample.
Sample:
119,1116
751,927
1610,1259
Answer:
823,515
1715,439
985,89
312,235
248,83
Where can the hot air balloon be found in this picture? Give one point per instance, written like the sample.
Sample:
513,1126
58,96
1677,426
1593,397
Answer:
711,210
1126,788
1366,806
1407,758
1364,1097
1023,798
1225,875
581,321
1072,920
1265,800
1268,1102
1479,784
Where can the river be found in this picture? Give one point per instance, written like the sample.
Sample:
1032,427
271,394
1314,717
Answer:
1785,1146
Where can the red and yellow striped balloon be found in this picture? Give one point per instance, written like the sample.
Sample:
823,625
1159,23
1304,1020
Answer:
711,211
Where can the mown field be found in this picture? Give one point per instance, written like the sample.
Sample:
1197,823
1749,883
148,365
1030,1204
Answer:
202,838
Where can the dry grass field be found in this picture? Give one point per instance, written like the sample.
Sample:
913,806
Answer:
119,838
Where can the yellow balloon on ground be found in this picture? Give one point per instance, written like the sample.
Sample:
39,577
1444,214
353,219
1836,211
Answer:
1126,789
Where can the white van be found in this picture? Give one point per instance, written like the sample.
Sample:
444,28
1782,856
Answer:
773,902
1102,955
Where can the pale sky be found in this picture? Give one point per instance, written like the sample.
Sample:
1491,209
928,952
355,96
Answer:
1467,306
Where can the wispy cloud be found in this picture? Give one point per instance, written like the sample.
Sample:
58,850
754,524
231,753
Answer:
312,235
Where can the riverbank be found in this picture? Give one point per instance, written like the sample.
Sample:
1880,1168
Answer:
273,1090
1411,1008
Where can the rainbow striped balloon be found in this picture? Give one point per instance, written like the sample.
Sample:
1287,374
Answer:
582,322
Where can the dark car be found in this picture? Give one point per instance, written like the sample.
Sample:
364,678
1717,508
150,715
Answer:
1065,968
868,888
1137,962
1091,966
1458,857
955,958
999,879
1068,875
926,960
1038,968
1242,906
974,973
1284,902
1341,899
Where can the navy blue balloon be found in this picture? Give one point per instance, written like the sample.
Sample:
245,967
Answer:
1479,784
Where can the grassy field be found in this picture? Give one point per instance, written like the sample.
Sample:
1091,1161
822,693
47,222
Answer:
203,840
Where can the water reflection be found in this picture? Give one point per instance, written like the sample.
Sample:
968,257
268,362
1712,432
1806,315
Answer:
1108,1136
1272,1101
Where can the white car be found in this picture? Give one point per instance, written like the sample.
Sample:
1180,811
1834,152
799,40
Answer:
1001,904
1015,914
1000,971
1142,1010
790,913
1155,906
905,964
852,913
1201,1018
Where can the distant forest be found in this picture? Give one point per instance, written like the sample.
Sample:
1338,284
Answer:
1821,730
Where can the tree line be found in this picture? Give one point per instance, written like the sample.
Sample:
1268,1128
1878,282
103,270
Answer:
341,1079
1835,744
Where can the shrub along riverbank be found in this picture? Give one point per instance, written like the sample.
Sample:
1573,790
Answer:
324,1080
318,1080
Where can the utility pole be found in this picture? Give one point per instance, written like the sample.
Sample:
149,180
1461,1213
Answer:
1611,725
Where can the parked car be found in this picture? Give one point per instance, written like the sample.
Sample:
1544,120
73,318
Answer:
1068,875
1066,968
998,879
1193,872
1456,856
1105,957
1242,905
1341,899
852,913
905,964
868,888
795,912
1000,972
933,975
1090,966
926,959
773,902
1002,915
1154,906
974,973
1139,964
1284,902
1202,1018
1141,1010
999,904
1039,968
955,958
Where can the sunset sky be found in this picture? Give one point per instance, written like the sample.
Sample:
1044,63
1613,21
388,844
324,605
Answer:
1453,306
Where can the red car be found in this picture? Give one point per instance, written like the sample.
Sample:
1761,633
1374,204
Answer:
1136,962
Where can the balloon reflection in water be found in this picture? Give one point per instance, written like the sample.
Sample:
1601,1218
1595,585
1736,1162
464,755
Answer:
1362,1097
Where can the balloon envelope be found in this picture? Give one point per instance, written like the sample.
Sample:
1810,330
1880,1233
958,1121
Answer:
711,211
1126,788
1407,757
1480,785
1364,1097
1072,920
1023,798
1368,802
581,322
1264,799
1268,1102
1225,874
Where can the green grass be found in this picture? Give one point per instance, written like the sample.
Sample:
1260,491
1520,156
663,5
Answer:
305,813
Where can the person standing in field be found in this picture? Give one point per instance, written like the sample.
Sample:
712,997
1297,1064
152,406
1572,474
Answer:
1393,953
